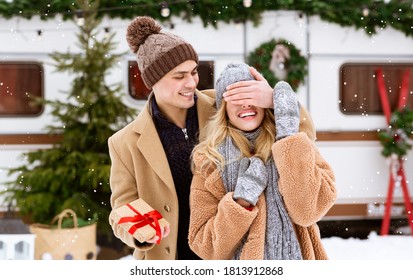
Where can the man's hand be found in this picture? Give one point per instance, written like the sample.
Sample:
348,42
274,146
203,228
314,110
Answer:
165,232
255,92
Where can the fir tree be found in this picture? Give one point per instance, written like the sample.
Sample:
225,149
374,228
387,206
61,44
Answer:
74,173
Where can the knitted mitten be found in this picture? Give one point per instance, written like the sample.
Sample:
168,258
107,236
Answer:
252,180
286,110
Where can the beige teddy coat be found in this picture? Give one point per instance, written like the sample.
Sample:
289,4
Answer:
306,183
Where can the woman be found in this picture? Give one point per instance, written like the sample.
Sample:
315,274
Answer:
258,189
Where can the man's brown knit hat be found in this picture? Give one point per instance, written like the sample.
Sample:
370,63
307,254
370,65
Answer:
157,52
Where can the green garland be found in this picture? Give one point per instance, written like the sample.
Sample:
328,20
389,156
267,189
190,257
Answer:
371,16
396,139
296,65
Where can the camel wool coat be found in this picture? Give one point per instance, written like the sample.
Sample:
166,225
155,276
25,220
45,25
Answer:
140,169
306,183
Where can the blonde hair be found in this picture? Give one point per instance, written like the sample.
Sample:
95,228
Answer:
218,128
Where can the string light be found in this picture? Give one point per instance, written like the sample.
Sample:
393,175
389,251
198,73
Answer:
165,12
40,32
366,11
300,18
164,5
247,3
80,20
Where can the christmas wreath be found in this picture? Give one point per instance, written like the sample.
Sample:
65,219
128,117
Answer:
396,139
279,60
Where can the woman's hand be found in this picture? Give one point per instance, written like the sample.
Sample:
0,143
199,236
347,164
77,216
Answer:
251,182
286,110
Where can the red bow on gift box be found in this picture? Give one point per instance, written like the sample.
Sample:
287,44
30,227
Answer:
142,220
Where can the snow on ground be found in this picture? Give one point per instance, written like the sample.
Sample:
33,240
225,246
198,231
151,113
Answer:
375,247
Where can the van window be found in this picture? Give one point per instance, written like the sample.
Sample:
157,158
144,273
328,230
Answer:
359,91
20,84
138,90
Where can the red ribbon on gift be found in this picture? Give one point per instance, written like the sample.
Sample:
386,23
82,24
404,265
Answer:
142,220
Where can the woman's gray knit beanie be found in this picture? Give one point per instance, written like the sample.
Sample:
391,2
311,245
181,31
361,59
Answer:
234,72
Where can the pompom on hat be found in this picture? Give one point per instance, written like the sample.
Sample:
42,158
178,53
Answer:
157,52
234,72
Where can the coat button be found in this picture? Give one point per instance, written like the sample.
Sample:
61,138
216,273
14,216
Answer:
167,208
167,250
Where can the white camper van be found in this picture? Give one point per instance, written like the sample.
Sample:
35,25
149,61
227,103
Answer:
347,118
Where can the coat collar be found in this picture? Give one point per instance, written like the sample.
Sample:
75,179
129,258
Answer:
149,143
205,107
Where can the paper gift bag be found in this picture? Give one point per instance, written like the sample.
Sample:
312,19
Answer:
58,243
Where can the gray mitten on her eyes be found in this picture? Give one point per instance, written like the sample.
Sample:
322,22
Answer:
252,180
286,110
